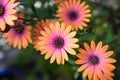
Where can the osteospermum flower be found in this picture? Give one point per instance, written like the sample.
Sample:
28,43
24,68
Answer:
74,13
39,26
19,34
7,12
95,62
56,41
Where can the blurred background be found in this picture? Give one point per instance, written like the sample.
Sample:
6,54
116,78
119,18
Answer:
28,64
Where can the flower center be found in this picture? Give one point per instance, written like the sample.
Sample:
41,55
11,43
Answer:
1,10
94,60
73,15
19,29
58,42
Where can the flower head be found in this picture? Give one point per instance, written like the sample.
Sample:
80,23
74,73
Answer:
36,31
7,12
56,41
95,61
74,13
19,34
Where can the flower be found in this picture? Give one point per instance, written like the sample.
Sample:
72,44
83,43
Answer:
74,13
95,62
36,31
56,40
19,34
59,1
7,12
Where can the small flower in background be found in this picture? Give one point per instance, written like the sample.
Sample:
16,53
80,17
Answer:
95,62
56,41
74,13
19,34
39,26
59,1
7,12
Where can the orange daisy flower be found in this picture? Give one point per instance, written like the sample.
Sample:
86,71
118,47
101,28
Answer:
74,13
19,34
36,31
95,62
56,40
59,1
7,12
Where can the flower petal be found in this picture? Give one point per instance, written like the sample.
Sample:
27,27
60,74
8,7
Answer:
2,25
83,67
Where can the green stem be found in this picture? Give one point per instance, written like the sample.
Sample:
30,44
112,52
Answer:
28,19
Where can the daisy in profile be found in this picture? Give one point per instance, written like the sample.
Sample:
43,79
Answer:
74,13
59,1
39,26
19,34
56,41
7,12
95,62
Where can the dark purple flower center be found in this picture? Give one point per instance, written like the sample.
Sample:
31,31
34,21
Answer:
19,29
58,42
73,15
1,10
93,60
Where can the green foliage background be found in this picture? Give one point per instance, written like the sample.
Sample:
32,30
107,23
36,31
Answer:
104,26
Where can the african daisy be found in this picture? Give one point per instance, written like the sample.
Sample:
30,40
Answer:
74,13
95,62
56,41
7,12
39,26
19,34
